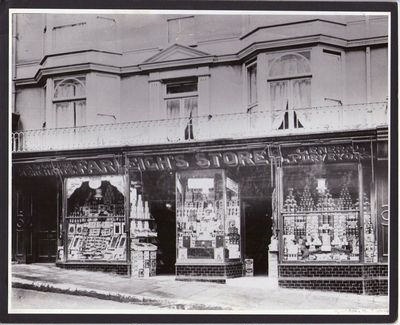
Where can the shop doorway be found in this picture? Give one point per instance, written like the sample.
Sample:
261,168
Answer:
258,224
36,209
45,215
256,195
159,190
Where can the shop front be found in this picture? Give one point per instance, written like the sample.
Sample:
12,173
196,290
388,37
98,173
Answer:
328,227
304,213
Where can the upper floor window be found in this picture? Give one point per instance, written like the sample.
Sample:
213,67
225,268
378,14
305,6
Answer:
289,83
69,100
251,73
181,98
181,30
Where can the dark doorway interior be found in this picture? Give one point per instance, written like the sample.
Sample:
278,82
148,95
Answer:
45,221
256,191
159,190
258,232
36,204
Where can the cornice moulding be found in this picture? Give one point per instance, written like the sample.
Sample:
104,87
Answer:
145,67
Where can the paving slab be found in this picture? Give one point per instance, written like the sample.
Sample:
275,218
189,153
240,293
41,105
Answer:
248,294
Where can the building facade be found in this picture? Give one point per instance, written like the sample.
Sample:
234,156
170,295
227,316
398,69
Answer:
204,146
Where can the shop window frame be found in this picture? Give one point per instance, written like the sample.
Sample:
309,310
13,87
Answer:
62,233
281,198
251,87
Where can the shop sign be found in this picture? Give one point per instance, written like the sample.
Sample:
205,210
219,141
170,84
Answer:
69,168
259,157
200,160
325,154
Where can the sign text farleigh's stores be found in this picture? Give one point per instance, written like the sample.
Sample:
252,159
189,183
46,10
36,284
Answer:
222,159
69,168
199,160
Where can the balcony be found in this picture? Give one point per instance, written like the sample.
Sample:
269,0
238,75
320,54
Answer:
311,120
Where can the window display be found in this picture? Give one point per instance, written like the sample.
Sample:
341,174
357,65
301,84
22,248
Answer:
370,238
321,213
142,222
208,216
96,218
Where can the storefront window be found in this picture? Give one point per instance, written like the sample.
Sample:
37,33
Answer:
208,216
96,218
320,211
370,221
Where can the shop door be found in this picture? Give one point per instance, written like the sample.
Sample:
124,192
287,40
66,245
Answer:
22,235
45,224
257,234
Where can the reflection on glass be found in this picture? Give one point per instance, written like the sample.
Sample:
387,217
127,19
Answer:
321,213
95,219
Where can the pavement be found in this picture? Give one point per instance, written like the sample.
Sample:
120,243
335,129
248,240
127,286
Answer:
255,295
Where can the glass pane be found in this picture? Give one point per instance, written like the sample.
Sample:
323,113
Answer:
200,215
370,222
95,219
321,213
69,88
64,115
70,114
173,108
181,87
289,65
302,93
190,105
252,83
232,219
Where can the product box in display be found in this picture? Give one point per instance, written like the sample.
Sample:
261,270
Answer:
143,257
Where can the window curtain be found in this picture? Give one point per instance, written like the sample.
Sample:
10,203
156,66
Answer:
70,114
302,99
279,99
173,108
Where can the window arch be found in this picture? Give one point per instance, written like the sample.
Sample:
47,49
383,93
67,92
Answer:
69,88
289,65
69,100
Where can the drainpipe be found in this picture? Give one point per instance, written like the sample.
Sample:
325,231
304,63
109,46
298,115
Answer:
14,61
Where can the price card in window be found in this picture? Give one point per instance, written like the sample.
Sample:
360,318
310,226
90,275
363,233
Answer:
230,184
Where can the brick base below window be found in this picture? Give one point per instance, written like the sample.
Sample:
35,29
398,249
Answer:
121,269
212,273
371,279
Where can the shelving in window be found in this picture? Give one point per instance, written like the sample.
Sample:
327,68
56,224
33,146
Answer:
321,213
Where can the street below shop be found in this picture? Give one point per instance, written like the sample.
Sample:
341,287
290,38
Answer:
107,291
24,300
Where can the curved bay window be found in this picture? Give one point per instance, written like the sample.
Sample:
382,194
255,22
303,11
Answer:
95,218
289,86
321,213
69,101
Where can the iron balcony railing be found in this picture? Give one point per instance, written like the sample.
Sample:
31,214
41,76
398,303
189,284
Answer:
203,128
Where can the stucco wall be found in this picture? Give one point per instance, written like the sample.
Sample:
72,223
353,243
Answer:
103,98
30,105
379,75
226,89
356,89
135,99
